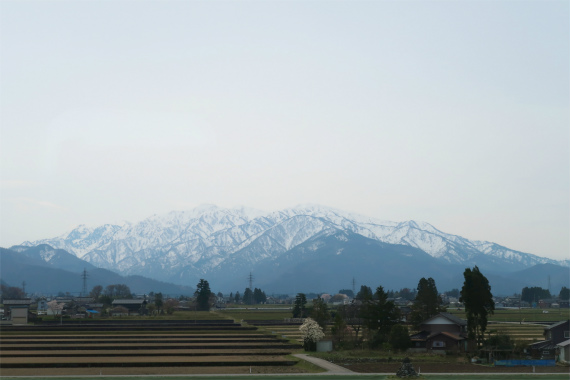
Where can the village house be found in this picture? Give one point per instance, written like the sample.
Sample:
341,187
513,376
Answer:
553,335
440,333
133,306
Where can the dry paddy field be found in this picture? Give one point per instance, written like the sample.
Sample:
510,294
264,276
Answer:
149,347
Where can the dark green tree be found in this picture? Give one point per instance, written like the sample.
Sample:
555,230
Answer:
320,313
202,295
427,303
348,292
339,330
118,291
379,315
478,301
364,294
259,296
248,297
237,297
534,294
564,293
300,309
158,302
399,338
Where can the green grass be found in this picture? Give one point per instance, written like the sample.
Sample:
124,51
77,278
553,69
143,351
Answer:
529,376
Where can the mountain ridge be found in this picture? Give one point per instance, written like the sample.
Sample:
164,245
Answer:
195,243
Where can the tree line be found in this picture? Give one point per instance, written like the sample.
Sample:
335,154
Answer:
373,320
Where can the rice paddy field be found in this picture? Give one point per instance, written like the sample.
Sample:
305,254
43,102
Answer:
191,345
257,340
525,315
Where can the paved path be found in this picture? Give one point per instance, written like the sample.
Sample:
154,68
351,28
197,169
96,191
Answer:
330,367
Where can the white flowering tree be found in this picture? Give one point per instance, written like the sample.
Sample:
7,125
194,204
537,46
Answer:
55,307
312,333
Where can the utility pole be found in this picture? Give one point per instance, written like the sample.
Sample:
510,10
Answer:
354,286
24,287
84,276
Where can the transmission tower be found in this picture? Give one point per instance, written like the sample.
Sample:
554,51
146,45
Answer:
548,283
250,279
84,276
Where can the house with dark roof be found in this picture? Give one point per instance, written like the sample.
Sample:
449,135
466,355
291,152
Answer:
440,333
553,335
134,306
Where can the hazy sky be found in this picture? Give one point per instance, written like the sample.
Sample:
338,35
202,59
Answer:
451,112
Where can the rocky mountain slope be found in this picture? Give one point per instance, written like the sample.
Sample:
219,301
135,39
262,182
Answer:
226,244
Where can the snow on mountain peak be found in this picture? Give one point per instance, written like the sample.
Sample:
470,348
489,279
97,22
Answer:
202,238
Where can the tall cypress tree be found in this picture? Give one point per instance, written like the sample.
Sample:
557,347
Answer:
427,302
202,294
478,300
300,310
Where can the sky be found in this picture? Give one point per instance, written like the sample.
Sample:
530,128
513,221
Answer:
455,113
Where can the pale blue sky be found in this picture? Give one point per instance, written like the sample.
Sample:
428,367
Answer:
451,112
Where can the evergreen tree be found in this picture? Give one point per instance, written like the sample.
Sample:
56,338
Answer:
202,295
237,297
248,297
320,313
428,302
534,294
158,302
564,293
399,338
364,294
478,300
379,315
259,296
300,310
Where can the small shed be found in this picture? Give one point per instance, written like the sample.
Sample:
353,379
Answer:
18,310
564,351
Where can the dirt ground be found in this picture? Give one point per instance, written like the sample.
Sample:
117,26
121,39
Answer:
146,371
448,368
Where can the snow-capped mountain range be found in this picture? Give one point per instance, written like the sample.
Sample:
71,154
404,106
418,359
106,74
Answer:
213,242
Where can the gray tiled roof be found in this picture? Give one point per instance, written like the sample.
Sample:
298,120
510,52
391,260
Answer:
451,317
556,325
17,302
128,301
